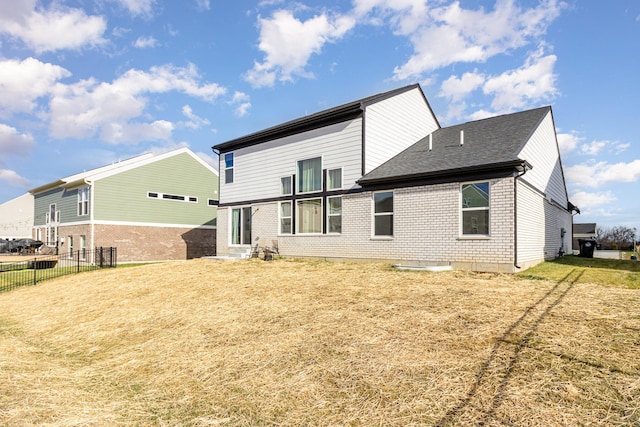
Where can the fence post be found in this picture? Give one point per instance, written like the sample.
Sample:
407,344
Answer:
35,271
78,261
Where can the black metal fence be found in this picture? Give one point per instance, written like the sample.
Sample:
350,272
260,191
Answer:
30,271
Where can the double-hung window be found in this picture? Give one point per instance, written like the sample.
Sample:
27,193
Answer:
285,217
83,201
334,214
309,175
475,209
228,168
383,214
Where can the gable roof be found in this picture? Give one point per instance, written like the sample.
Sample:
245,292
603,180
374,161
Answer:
323,118
89,176
488,144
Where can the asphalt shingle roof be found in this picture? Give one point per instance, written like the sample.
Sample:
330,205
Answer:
488,143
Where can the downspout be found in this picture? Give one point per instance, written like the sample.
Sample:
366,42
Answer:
515,215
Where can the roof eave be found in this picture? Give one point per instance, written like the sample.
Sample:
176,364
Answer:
516,165
46,187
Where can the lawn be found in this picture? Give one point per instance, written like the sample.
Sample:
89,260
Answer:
292,343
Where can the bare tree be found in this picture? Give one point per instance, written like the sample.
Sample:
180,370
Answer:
618,237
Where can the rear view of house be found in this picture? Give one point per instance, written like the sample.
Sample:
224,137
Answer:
380,179
151,207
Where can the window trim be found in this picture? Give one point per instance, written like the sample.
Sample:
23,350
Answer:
172,197
377,214
242,234
329,215
299,217
290,217
463,209
341,179
299,176
282,193
83,202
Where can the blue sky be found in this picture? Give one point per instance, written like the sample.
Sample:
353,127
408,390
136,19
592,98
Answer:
86,83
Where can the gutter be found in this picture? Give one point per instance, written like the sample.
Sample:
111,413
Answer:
526,167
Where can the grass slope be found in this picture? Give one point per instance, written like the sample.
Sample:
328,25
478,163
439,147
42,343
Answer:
201,343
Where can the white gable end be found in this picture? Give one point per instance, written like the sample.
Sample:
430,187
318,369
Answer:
541,151
394,124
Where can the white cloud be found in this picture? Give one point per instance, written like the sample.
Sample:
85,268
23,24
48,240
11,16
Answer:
621,147
241,102
531,83
194,122
585,200
23,82
456,89
145,42
87,108
568,142
593,148
12,178
137,7
13,142
45,30
288,44
445,35
595,174
203,4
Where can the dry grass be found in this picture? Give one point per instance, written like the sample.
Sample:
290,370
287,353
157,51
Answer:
202,343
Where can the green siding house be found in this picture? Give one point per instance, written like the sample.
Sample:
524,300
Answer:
151,207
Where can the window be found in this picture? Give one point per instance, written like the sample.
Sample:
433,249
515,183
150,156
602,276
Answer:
152,195
70,243
212,202
285,185
285,217
334,179
475,209
83,201
383,214
165,196
334,214
228,168
53,215
309,176
83,247
309,216
241,226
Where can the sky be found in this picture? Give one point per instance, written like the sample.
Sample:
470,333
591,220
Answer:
85,83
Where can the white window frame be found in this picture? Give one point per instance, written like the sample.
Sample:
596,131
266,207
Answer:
171,197
299,177
242,235
299,217
291,184
379,214
70,246
329,187
281,217
83,201
330,215
468,209
83,247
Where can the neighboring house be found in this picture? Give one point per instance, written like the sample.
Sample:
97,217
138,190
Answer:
583,231
16,218
379,179
151,207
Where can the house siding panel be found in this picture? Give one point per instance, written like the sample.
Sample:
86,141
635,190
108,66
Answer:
542,152
340,146
394,124
123,196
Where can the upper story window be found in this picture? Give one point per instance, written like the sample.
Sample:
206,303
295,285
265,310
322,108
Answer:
285,186
475,208
53,215
309,175
383,214
165,196
83,201
228,168
334,179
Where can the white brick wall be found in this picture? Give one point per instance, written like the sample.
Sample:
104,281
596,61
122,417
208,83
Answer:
426,230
